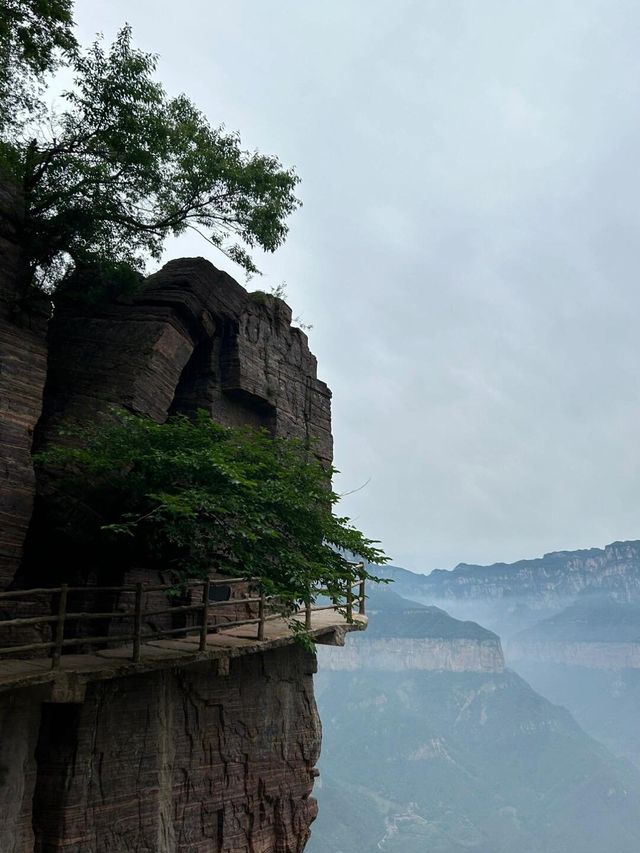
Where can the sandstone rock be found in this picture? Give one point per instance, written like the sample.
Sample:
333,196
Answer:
23,363
193,338
19,724
182,762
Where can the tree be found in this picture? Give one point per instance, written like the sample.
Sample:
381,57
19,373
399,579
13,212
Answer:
34,34
190,496
124,166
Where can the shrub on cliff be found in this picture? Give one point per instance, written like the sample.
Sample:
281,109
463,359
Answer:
122,166
192,496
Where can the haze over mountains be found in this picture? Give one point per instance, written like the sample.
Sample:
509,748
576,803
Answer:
435,743
508,597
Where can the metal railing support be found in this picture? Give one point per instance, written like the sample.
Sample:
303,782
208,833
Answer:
62,611
349,600
307,613
137,624
261,615
204,625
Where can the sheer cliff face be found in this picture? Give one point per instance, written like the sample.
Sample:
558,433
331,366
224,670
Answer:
179,761
429,654
186,759
404,636
23,361
593,632
191,338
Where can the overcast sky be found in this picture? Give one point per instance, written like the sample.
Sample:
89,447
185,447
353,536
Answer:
468,252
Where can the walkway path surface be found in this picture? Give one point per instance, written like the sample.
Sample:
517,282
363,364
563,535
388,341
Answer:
67,683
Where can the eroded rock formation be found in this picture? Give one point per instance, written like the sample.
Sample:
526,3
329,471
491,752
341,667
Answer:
429,654
192,338
183,759
405,635
177,761
23,362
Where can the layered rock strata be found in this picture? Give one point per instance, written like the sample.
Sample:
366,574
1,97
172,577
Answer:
402,653
178,761
405,635
23,362
192,338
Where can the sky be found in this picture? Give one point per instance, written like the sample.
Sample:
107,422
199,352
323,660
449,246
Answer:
468,252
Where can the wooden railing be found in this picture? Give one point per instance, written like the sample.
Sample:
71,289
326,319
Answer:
60,617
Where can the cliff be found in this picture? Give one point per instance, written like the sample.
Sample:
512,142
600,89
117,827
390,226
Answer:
560,575
23,361
179,760
430,655
570,623
603,634
186,758
404,635
596,655
456,757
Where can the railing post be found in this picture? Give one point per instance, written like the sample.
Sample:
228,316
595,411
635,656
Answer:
137,624
349,601
204,625
261,609
361,609
307,613
62,612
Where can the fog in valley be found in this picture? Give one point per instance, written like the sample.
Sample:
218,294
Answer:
442,734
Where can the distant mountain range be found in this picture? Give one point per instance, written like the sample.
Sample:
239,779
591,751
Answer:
454,758
613,570
569,622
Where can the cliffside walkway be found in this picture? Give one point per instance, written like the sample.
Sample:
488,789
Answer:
216,638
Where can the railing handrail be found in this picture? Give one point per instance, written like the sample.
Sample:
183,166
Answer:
139,613
183,585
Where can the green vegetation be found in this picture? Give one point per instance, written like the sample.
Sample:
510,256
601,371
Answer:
120,166
193,496
33,35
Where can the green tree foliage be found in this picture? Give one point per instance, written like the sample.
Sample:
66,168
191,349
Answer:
34,34
122,166
192,496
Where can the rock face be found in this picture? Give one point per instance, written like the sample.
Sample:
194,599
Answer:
178,761
431,655
191,338
404,635
182,759
23,362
